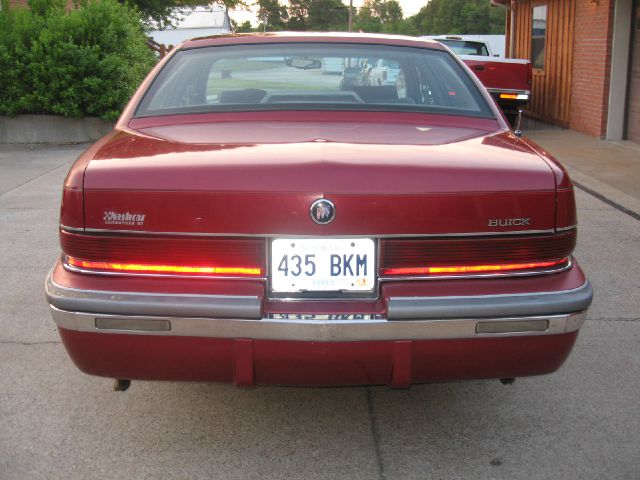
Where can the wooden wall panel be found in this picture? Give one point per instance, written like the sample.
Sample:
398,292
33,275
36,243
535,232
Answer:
551,88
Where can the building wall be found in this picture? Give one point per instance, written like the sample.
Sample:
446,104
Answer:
591,66
551,88
573,88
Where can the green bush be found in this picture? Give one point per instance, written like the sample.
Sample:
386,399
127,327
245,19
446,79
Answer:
84,62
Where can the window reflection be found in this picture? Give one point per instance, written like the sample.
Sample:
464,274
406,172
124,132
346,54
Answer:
538,35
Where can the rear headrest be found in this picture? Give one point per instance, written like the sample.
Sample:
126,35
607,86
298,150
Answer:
385,93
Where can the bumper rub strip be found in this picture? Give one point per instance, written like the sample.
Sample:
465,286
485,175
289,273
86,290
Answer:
544,303
138,303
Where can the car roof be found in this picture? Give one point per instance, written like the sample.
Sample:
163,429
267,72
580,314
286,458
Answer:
310,37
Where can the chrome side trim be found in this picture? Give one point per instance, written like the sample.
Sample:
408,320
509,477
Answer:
462,276
284,235
71,229
481,306
312,331
564,229
141,303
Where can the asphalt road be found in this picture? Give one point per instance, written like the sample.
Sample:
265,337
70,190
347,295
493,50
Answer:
582,422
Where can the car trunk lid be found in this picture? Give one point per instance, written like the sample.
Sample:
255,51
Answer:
261,179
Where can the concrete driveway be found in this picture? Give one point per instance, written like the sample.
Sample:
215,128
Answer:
581,423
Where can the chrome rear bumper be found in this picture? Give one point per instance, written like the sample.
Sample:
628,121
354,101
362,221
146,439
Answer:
318,331
410,318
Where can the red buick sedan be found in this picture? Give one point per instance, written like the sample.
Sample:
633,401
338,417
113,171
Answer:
254,218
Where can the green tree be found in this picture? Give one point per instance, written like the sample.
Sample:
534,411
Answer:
298,14
406,27
84,62
164,13
380,16
441,17
367,20
325,15
317,15
244,27
272,15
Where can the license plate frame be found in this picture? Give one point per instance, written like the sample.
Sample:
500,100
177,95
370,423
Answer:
276,291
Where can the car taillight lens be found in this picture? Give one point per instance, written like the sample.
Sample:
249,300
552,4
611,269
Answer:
224,256
514,96
433,257
565,209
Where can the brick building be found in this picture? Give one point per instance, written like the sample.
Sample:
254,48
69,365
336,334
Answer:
586,59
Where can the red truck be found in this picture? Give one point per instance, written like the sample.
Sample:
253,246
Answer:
508,80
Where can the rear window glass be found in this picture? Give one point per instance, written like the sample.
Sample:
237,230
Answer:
463,47
312,76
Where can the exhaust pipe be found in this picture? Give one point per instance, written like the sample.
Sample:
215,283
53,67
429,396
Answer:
121,384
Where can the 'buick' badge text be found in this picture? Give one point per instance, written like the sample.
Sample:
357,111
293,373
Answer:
508,222
117,218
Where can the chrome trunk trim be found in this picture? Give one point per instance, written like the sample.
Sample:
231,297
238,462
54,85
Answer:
285,235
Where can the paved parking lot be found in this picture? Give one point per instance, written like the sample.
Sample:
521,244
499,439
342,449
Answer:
582,422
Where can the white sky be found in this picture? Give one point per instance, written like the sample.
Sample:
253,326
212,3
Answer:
409,8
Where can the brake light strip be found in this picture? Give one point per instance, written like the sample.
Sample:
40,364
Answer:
135,267
470,268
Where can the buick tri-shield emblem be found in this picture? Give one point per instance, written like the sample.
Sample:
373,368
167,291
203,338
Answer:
322,211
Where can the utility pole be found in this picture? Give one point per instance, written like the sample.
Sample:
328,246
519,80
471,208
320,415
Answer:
350,14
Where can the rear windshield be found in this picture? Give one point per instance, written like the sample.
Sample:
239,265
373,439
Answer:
312,77
464,47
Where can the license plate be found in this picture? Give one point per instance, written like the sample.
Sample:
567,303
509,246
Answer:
322,265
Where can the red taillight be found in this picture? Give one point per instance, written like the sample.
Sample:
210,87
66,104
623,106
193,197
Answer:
177,255
474,256
143,268
461,269
565,208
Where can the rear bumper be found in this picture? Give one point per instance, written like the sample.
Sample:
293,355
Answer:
318,330
228,338
407,318
523,97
